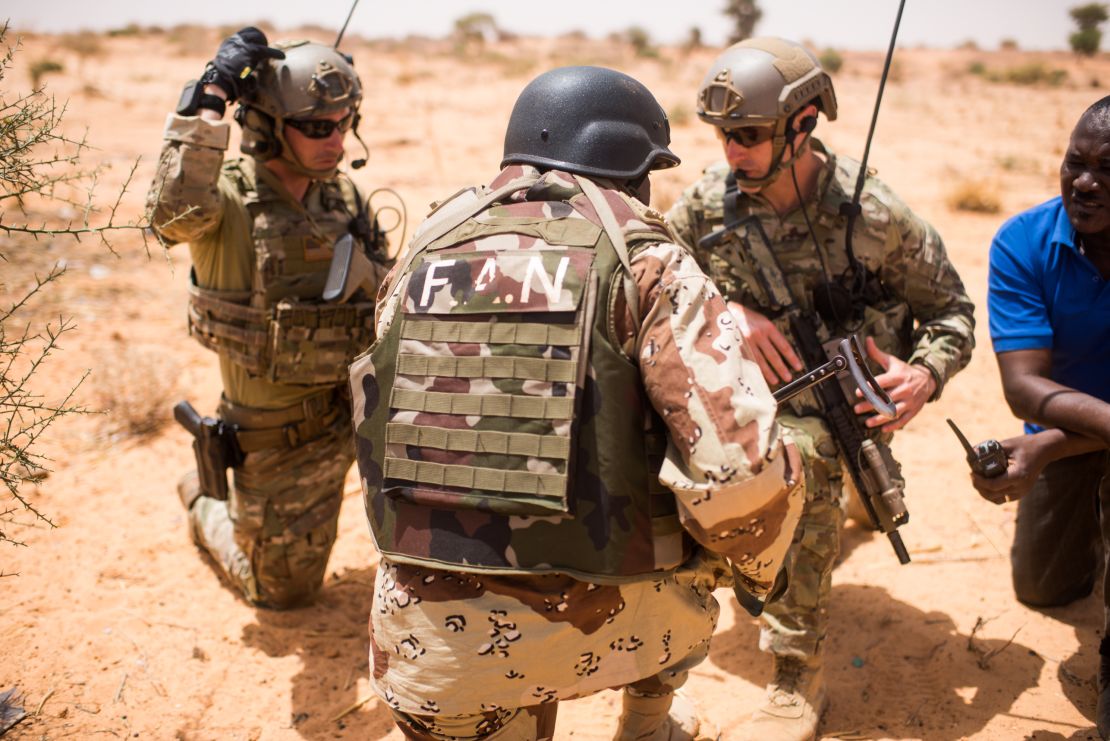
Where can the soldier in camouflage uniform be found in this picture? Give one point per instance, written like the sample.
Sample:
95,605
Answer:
260,231
895,287
561,439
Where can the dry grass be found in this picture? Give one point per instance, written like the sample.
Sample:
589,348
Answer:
82,43
679,115
135,388
1030,73
975,196
42,67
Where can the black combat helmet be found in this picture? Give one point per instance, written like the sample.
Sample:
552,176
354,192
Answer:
591,121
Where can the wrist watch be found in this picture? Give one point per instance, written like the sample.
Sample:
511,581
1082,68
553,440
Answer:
194,98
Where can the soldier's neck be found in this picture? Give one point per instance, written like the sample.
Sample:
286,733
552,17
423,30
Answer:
295,183
782,194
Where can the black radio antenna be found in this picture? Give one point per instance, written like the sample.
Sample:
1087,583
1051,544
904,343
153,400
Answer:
352,12
852,210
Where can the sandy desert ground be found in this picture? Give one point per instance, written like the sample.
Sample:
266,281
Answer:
114,626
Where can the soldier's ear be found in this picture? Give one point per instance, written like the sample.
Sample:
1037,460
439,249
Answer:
805,120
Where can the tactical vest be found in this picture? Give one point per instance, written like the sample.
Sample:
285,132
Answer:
279,330
498,426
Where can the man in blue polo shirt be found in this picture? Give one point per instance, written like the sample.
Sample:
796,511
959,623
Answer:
1049,302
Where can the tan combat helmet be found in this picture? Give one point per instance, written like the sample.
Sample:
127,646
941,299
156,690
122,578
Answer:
313,80
764,81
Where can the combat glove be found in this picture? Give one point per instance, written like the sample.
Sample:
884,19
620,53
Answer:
238,55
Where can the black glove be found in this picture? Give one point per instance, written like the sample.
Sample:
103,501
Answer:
238,55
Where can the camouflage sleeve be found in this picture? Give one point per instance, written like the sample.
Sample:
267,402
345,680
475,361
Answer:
919,270
726,464
185,200
681,219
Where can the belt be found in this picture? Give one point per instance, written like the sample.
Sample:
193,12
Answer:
287,427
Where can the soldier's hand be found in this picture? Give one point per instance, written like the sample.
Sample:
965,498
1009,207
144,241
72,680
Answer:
1024,466
909,387
770,349
239,55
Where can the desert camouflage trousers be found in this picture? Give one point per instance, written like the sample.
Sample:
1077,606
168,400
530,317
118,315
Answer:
464,656
273,535
796,624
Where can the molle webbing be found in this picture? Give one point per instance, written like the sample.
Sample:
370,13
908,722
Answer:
314,343
291,343
478,441
504,334
494,471
220,321
472,477
527,369
484,405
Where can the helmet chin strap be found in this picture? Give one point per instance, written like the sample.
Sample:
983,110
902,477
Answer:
778,162
289,157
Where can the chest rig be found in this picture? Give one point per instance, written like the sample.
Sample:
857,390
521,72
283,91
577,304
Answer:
498,426
819,277
280,330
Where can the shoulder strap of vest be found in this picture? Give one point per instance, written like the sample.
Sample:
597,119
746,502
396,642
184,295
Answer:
752,240
731,198
616,236
448,218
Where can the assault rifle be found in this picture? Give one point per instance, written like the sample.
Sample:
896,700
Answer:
870,464
846,363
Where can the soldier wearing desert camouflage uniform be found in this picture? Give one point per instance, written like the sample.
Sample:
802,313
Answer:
561,439
260,231
896,288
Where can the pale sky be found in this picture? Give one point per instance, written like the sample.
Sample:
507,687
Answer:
855,24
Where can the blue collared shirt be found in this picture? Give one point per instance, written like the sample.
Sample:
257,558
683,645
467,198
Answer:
1044,294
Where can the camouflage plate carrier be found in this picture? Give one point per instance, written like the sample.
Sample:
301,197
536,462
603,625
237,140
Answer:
504,429
279,330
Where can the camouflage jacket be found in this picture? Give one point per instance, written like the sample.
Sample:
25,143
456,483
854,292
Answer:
917,308
555,636
252,245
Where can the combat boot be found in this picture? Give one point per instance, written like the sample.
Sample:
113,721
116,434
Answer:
671,717
188,491
795,701
1102,711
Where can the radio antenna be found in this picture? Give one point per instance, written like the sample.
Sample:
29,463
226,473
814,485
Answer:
344,29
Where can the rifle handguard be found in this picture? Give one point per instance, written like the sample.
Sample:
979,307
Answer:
849,357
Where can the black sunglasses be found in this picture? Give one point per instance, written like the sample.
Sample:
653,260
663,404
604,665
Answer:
321,128
748,136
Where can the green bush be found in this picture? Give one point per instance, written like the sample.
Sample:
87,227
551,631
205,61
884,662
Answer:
694,39
1086,42
1032,73
1036,73
640,40
831,61
83,43
1087,18
43,67
131,29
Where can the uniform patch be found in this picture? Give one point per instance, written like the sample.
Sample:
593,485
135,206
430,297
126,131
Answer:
513,281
